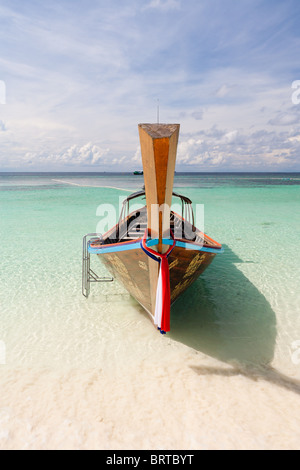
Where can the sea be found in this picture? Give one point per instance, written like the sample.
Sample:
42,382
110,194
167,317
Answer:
242,317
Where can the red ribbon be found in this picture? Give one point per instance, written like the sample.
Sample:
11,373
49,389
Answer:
165,274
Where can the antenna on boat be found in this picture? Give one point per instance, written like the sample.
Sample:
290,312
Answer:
157,111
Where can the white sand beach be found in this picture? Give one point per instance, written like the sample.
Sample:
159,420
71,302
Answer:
149,393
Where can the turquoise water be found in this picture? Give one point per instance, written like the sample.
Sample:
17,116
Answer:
244,308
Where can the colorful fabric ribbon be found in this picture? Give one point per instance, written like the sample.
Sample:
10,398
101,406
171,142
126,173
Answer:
163,294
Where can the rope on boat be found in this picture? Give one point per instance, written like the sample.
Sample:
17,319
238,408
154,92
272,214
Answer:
163,293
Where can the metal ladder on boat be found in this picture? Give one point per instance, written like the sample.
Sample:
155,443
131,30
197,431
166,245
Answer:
88,275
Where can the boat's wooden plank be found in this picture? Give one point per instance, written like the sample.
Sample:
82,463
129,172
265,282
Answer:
131,269
137,272
156,131
185,267
158,147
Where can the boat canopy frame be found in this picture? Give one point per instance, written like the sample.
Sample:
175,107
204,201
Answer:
186,206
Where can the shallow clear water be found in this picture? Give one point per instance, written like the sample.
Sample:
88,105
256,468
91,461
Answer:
245,307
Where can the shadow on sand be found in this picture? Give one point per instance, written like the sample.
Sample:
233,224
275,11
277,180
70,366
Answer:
225,316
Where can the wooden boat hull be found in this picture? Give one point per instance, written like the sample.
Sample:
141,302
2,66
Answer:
138,273
180,252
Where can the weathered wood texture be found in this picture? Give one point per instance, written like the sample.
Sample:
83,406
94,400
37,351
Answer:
159,147
133,270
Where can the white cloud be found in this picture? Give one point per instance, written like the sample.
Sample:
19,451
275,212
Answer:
2,92
188,149
198,115
230,136
223,91
137,156
86,155
164,4
234,150
198,152
285,119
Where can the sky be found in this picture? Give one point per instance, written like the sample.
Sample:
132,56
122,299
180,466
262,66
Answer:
77,77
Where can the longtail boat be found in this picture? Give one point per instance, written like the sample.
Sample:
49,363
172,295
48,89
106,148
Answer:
154,252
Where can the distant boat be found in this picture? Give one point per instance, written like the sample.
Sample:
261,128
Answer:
138,172
155,254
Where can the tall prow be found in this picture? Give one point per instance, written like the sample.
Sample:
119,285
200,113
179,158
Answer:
159,148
